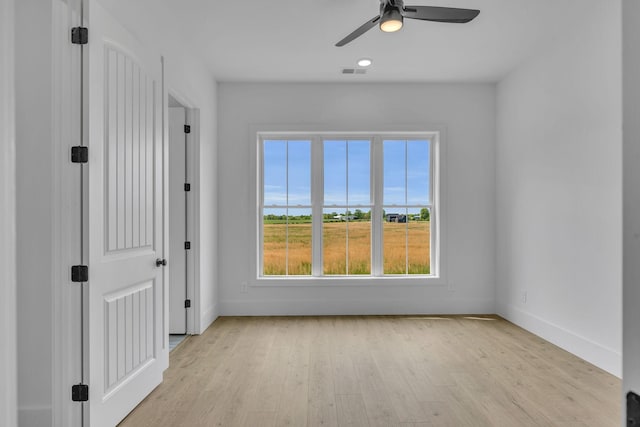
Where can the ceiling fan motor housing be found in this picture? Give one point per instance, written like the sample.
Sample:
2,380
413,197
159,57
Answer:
391,18
387,6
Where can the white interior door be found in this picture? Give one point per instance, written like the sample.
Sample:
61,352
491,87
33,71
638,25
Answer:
127,351
178,226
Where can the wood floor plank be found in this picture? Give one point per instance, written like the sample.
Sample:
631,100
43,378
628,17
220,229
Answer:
322,400
260,419
379,371
270,382
293,405
389,362
440,414
380,411
344,374
351,411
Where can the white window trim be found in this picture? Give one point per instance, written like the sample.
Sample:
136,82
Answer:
435,133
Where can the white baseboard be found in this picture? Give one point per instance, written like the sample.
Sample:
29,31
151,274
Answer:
35,416
208,317
314,307
601,356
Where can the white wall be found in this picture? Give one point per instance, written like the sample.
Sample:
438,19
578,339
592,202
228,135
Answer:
631,195
467,112
559,202
8,325
34,129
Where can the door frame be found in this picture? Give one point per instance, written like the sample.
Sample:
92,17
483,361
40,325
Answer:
192,118
8,319
66,217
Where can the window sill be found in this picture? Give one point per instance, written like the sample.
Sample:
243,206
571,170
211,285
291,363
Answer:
344,281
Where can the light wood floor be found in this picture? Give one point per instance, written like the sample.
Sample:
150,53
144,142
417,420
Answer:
377,371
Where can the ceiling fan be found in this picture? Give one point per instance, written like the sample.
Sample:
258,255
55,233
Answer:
392,13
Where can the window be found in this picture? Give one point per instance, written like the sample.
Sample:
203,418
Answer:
352,206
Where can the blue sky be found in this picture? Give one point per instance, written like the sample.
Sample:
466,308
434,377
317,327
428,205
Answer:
346,174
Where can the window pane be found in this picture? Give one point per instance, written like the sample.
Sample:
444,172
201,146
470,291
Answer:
359,232
299,239
335,173
274,238
419,238
359,173
395,241
334,241
275,172
394,156
286,242
299,173
418,165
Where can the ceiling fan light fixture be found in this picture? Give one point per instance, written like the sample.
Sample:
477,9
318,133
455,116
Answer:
393,12
391,20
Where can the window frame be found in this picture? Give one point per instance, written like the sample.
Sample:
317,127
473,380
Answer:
436,205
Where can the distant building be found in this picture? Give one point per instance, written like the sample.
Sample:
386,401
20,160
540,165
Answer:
345,217
394,217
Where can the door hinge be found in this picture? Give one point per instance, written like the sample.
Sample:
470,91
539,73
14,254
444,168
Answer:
187,187
79,154
187,245
80,393
79,273
79,35
633,409
187,303
187,129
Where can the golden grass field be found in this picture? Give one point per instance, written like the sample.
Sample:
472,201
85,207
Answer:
335,247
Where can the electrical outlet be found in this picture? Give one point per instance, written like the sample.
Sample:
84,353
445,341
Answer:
244,287
524,297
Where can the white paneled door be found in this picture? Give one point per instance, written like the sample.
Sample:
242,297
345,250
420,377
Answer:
127,350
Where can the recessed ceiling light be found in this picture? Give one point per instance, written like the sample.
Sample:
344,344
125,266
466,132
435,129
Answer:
364,62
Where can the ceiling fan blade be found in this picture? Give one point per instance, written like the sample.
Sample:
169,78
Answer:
439,14
359,31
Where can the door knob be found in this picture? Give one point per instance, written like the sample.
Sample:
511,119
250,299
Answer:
160,262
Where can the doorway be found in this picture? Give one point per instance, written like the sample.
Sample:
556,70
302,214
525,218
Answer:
181,244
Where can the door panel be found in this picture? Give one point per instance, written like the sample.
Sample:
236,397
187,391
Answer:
129,134
128,332
127,350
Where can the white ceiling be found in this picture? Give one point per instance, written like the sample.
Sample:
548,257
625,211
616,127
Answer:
293,40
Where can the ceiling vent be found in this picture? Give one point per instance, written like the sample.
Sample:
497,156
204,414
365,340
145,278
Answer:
354,71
